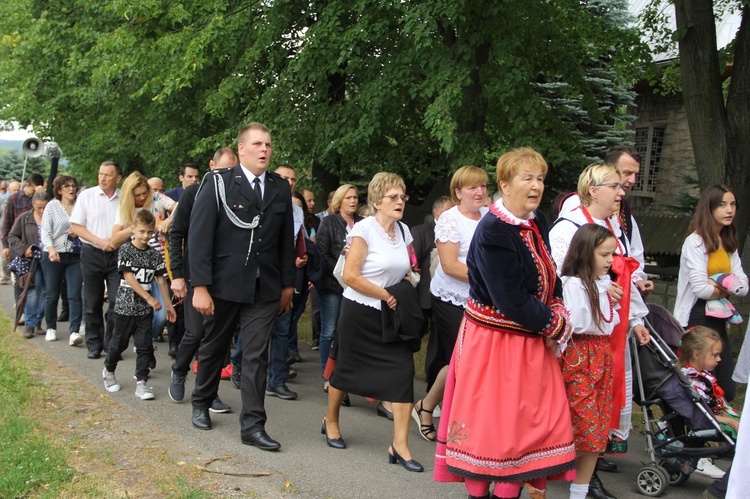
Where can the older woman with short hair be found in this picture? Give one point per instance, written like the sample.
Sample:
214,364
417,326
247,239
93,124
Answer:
367,364
449,288
505,410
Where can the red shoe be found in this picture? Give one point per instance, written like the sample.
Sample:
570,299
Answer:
226,372
195,366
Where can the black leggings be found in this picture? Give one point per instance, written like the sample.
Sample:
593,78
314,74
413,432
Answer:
724,370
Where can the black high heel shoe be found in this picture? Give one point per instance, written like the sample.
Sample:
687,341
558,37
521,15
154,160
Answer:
346,401
383,412
410,465
336,443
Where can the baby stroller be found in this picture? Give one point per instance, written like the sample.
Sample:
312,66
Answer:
681,436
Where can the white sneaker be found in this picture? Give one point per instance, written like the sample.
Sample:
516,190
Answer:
75,339
110,383
706,467
51,335
144,392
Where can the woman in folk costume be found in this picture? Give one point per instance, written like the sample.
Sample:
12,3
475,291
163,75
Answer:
600,192
505,412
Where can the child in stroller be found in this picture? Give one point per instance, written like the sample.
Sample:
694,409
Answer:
700,353
688,429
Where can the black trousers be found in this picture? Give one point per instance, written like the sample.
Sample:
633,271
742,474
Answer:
176,329
446,319
255,321
139,327
724,370
98,267
191,340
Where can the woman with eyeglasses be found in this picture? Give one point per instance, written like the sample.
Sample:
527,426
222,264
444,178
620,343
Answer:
600,193
371,362
449,287
61,258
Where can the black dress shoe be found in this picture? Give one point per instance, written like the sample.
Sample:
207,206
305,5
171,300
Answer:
236,376
172,351
94,354
410,465
261,440
603,465
597,490
280,391
383,412
336,443
201,419
64,317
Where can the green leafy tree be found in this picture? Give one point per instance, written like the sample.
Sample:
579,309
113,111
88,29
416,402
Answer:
11,165
347,88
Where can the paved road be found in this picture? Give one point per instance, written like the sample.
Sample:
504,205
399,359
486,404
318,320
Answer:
360,471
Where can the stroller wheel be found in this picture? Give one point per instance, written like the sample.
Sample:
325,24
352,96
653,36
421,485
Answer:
652,481
675,479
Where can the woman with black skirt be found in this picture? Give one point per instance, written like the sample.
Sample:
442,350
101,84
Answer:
366,365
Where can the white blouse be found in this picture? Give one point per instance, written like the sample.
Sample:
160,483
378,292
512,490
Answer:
576,300
454,227
562,234
387,259
692,280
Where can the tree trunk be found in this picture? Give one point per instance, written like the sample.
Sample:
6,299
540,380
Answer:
738,115
701,88
719,132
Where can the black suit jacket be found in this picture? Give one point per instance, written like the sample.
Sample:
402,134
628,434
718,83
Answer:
218,249
424,242
178,234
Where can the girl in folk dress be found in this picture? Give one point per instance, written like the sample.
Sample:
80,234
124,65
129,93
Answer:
587,362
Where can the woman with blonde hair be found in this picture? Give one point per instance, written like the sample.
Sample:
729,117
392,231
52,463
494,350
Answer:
449,288
136,194
332,234
600,192
371,362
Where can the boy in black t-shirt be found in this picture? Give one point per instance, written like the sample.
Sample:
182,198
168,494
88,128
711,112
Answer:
139,264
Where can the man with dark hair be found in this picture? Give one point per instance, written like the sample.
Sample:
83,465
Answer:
186,346
92,220
242,272
321,215
189,174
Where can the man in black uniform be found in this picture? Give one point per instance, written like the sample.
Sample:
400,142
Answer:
242,271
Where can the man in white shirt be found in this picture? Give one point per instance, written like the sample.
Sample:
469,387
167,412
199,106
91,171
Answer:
92,220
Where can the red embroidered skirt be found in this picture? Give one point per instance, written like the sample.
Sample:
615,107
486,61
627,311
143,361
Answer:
587,365
505,411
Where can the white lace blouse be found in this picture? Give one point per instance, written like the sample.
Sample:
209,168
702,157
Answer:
454,227
387,259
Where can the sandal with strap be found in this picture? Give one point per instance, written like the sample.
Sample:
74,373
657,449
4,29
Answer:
424,429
